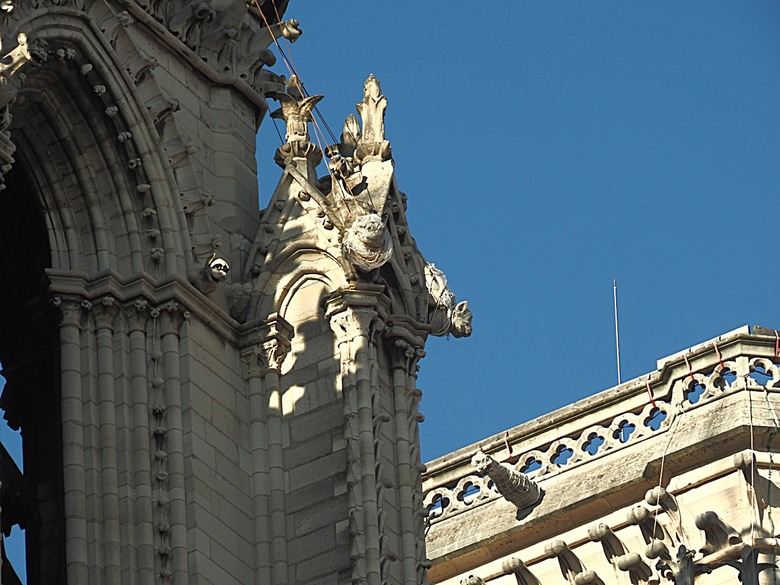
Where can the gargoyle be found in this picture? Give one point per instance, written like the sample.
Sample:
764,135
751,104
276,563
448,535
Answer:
510,483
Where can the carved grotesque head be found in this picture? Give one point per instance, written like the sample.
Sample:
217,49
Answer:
218,268
461,320
370,229
367,243
34,49
481,462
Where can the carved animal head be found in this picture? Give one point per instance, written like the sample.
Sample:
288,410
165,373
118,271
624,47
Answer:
482,462
34,49
461,320
218,268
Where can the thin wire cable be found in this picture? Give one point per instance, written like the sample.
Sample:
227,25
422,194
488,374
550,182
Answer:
672,430
276,42
753,510
772,433
301,85
293,70
279,134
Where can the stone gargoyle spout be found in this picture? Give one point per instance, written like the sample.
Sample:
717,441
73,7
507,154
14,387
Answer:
510,483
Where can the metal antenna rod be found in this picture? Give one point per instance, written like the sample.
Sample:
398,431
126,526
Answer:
617,333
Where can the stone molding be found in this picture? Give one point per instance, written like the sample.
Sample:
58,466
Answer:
269,351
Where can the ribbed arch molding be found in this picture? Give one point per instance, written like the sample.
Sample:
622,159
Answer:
90,146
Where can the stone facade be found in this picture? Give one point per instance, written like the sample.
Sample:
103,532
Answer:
670,477
207,394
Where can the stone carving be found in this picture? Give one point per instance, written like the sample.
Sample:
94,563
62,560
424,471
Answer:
513,485
681,570
367,243
571,566
520,571
460,317
618,555
372,144
436,282
749,566
449,317
188,22
718,535
296,113
28,51
218,268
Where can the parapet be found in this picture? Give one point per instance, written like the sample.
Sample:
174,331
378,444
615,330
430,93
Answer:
687,446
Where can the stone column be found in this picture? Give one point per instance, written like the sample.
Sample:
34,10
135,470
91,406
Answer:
174,532
406,350
105,312
354,316
138,318
262,365
73,440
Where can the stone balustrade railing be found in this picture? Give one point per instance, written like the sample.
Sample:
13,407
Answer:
616,419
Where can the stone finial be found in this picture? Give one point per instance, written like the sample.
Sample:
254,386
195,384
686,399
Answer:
372,111
510,483
296,113
372,144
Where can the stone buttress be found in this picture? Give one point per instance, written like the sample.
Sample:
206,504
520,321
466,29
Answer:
206,394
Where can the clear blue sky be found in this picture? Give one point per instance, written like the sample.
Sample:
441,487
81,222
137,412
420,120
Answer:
548,147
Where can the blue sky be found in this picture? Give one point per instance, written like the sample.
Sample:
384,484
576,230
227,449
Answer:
550,147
